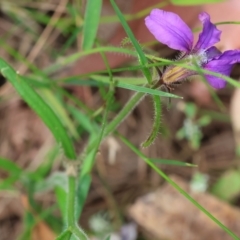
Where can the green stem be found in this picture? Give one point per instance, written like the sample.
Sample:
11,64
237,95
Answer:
71,201
157,122
79,233
122,115
71,219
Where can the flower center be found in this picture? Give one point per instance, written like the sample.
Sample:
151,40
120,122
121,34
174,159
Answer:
199,58
175,74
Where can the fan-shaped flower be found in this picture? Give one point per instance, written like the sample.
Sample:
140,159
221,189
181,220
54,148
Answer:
168,28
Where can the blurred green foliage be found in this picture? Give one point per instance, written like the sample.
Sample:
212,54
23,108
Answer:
70,120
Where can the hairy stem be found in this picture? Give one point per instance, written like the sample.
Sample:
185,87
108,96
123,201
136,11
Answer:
156,123
71,204
79,233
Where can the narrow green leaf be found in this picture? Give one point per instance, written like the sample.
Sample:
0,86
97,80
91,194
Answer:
91,21
84,121
40,107
134,16
142,58
195,2
156,122
53,102
146,90
129,80
96,138
83,189
14,171
126,86
172,162
74,57
7,184
61,197
88,160
10,166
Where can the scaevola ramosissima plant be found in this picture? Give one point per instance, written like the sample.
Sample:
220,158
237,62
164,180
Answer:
168,28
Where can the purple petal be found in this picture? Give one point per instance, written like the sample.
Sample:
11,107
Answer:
168,28
209,35
222,64
228,57
213,52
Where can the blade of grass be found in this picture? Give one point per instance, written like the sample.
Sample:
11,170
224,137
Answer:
91,156
8,183
139,14
82,192
171,162
142,58
129,80
61,198
96,140
63,61
196,2
84,121
126,86
10,166
91,21
51,99
40,107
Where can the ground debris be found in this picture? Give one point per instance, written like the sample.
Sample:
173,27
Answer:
166,214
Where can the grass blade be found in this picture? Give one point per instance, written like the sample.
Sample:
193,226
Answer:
142,58
91,20
10,166
196,2
83,189
55,104
40,107
132,87
172,162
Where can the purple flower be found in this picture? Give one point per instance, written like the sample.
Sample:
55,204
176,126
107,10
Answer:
168,28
